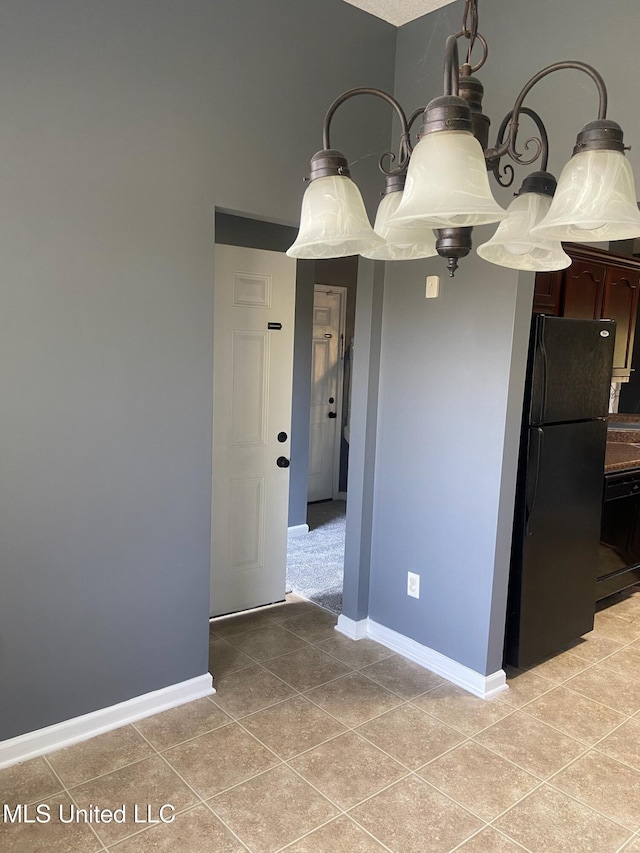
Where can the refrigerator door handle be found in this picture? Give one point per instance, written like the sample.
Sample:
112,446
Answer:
543,365
532,482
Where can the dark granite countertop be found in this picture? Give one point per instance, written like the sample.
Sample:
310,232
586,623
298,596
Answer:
623,436
623,445
621,456
621,416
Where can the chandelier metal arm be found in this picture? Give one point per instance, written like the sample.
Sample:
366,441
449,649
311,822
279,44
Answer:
505,179
404,148
451,66
509,145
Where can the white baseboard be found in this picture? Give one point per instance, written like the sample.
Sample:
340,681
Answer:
352,629
298,530
484,686
46,740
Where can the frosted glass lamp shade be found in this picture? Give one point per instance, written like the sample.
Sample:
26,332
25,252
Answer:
333,222
447,184
400,244
595,200
513,246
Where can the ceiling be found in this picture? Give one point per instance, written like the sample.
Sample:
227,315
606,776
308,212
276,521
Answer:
398,12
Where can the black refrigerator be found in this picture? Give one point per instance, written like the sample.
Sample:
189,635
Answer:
556,531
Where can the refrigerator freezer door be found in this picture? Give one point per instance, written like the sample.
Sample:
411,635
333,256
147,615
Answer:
555,552
571,369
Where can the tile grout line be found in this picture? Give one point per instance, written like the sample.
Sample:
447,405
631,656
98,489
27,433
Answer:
575,800
348,817
599,740
73,800
482,829
304,752
588,806
281,763
418,779
155,753
548,781
559,731
565,686
201,799
569,796
208,806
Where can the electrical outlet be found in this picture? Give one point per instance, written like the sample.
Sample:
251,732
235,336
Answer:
413,584
433,287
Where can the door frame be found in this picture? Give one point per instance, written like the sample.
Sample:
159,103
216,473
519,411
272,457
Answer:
246,231
343,292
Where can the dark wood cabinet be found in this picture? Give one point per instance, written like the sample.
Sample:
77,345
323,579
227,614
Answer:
620,303
548,293
583,289
597,285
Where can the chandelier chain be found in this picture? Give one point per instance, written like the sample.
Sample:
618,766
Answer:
470,25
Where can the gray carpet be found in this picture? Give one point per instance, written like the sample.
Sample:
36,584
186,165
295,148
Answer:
315,561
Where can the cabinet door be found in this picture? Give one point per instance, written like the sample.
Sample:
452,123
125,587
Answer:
620,303
583,290
547,293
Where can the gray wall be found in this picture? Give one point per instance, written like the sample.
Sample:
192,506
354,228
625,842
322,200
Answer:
452,369
124,125
443,400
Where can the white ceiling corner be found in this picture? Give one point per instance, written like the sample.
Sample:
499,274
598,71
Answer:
399,12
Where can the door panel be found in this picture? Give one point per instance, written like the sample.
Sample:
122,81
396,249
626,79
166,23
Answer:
621,304
250,391
252,376
584,286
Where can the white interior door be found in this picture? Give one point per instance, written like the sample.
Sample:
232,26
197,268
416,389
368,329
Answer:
254,303
326,391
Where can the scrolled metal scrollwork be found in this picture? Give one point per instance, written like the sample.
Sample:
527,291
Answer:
506,176
508,146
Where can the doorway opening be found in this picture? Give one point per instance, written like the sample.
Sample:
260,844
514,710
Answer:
329,409
327,520
315,552
315,561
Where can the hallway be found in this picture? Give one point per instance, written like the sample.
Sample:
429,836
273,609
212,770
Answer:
315,561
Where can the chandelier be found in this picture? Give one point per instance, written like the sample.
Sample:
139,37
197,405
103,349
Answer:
439,188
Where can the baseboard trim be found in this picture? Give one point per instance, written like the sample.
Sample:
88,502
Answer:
298,530
355,630
484,686
68,732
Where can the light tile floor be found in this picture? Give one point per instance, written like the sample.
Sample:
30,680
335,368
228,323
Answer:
317,744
